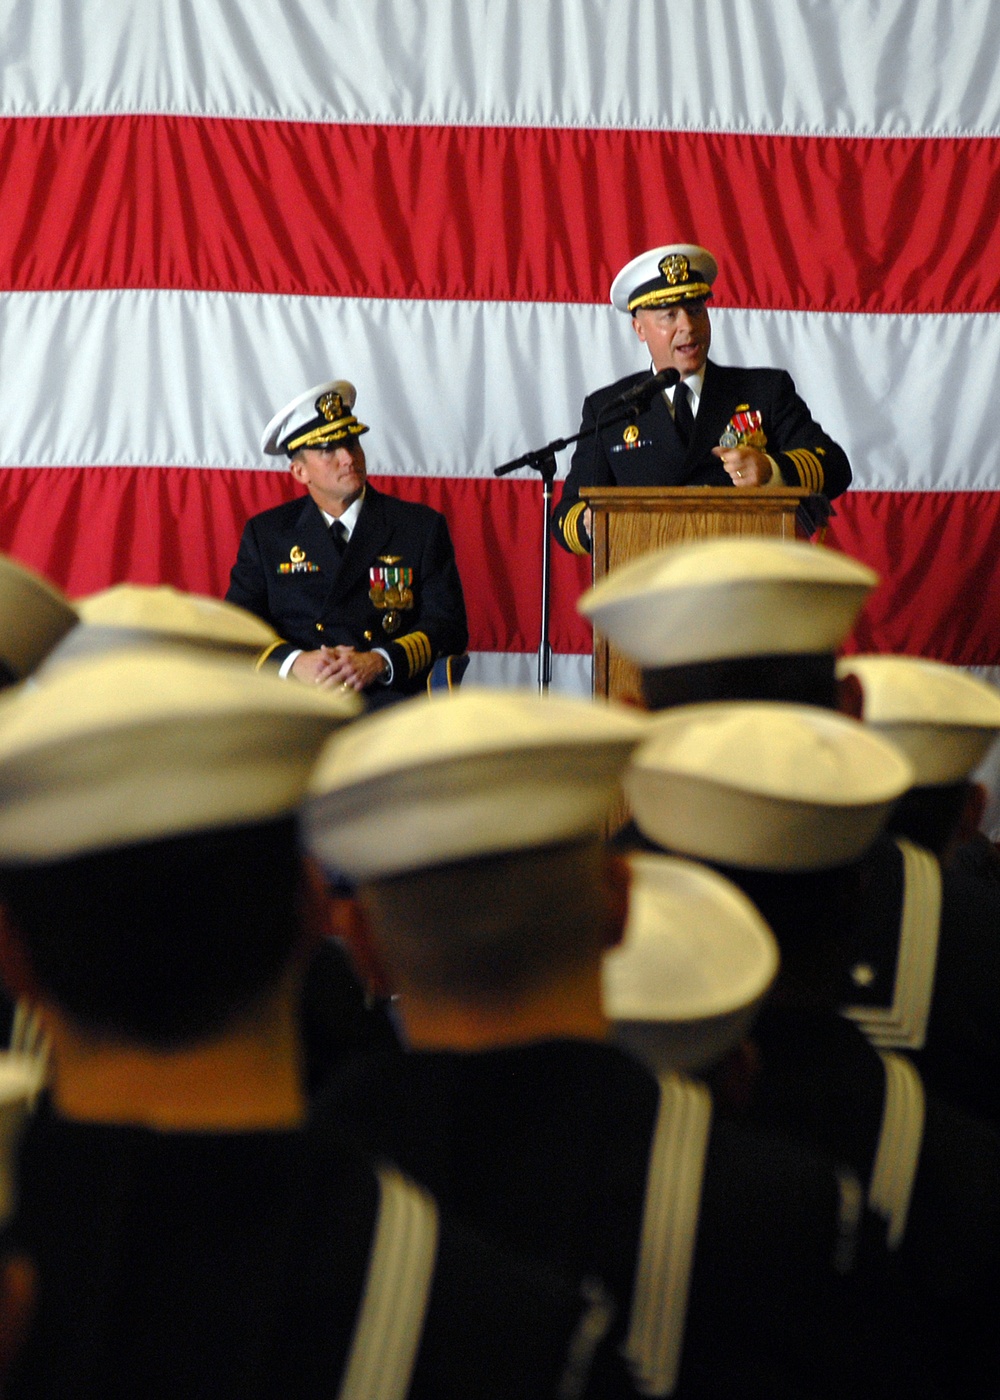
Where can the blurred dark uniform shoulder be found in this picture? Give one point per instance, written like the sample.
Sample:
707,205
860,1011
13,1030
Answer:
960,1054
245,1264
548,1148
931,1171
337,1018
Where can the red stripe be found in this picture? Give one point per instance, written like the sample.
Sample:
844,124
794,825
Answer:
837,224
936,552
89,527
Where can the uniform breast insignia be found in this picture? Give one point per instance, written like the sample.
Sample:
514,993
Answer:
391,591
297,562
745,429
631,440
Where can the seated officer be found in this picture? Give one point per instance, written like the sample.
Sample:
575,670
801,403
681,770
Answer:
718,426
362,587
194,1232
487,901
785,800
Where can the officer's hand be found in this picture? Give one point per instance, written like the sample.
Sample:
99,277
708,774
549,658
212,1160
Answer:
353,670
745,465
313,667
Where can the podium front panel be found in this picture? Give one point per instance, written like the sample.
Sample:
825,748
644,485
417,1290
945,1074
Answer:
632,520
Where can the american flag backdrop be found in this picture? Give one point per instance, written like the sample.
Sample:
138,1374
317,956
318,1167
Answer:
208,205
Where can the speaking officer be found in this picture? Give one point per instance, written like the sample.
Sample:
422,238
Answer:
718,425
363,588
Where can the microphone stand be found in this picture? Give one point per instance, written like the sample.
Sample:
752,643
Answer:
543,461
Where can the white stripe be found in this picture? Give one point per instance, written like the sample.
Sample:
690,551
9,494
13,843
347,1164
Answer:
400,1272
190,378
571,673
27,1035
903,1024
903,67
655,1337
901,1137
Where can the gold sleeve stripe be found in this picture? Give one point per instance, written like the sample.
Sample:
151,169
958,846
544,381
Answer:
571,528
801,468
417,646
266,653
808,466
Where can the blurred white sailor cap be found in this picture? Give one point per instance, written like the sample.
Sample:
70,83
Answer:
320,417
138,745
34,616
764,786
133,614
696,960
942,718
729,597
447,777
665,276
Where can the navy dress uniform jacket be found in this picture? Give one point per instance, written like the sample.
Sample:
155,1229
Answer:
819,1081
238,1266
960,1057
547,1148
290,573
807,455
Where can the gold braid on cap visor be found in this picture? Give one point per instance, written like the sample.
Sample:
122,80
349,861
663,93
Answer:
327,432
668,296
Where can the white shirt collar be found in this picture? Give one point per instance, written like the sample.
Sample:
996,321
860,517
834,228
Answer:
349,518
695,384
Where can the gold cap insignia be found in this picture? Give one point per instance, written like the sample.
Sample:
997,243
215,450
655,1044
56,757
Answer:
331,405
674,268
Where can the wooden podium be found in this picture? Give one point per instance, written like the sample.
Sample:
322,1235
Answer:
632,520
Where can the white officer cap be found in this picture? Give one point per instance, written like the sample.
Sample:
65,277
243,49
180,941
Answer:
665,276
323,415
140,745
133,614
942,718
729,597
447,777
697,958
764,786
34,615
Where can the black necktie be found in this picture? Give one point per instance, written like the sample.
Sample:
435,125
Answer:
338,533
683,417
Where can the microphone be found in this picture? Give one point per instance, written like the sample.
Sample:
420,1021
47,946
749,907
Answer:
642,395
